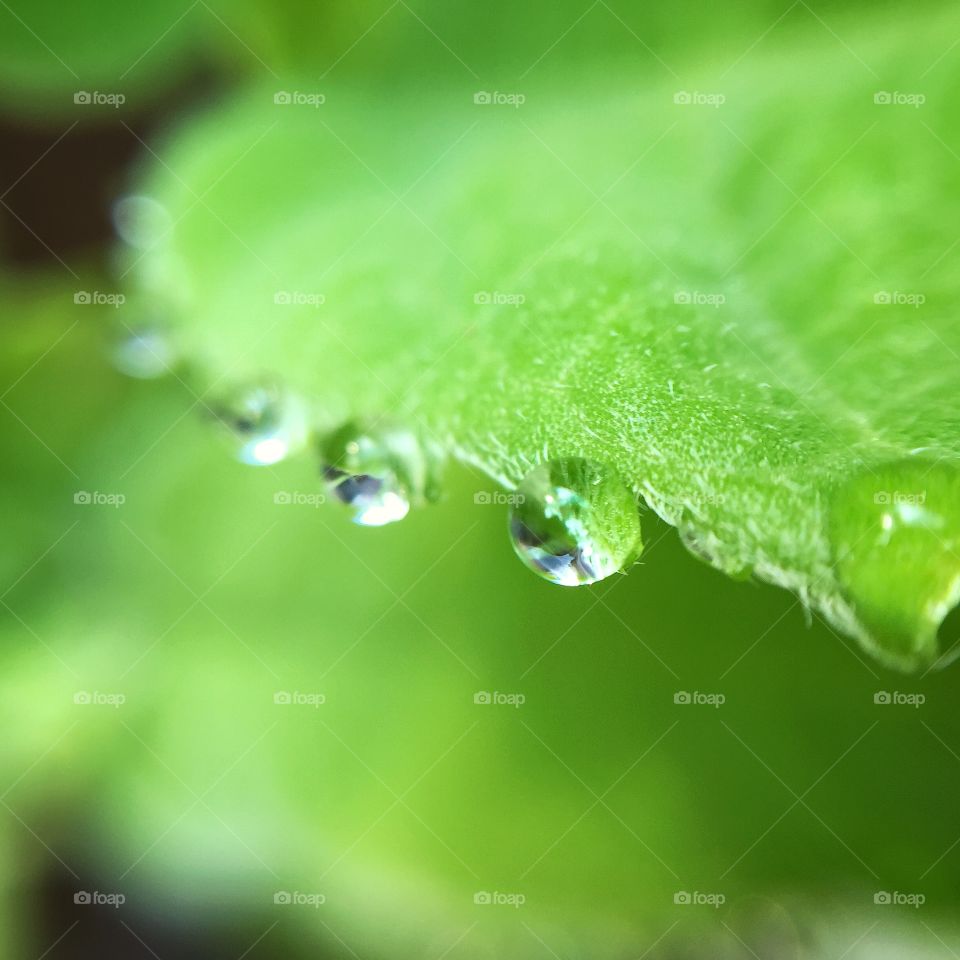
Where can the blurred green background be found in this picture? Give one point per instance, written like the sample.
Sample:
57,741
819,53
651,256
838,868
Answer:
146,644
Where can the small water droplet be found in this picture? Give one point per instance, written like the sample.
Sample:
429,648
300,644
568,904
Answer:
143,352
574,522
264,424
140,221
379,471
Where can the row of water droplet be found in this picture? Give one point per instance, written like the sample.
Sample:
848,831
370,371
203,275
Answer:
571,521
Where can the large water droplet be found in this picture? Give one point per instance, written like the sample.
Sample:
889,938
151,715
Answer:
895,540
143,352
140,221
378,471
264,424
574,522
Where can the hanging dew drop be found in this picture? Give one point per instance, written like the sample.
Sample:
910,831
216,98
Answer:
895,543
143,352
263,424
378,471
374,500
573,522
141,222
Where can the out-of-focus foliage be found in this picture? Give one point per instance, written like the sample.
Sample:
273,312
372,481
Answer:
50,51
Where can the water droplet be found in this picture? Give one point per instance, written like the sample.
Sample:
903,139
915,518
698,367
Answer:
378,471
264,423
574,522
143,352
140,221
895,542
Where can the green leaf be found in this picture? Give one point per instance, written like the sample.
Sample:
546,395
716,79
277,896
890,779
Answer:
738,297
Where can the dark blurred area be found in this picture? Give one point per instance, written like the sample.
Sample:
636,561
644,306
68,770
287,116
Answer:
60,180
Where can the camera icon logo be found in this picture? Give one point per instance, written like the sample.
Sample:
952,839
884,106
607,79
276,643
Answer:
882,96
282,97
681,696
282,897
82,496
681,898
282,297
282,497
282,697
882,297
482,697
881,897
482,898
682,97
82,697
682,296
82,897
482,298
881,696
81,296
482,97
81,96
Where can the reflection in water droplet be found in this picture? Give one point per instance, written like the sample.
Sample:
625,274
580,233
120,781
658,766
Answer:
143,352
574,522
140,221
264,423
378,471
895,542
